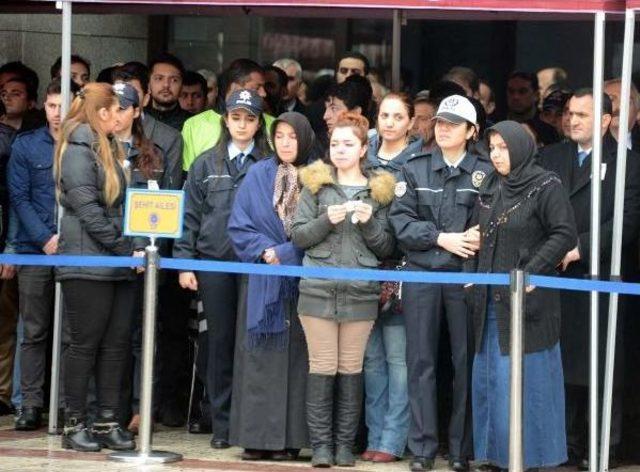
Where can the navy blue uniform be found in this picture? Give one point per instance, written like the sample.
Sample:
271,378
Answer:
210,191
432,198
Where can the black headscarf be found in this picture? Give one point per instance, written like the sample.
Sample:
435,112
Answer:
304,134
525,170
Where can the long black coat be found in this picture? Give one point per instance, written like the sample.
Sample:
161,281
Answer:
561,158
268,402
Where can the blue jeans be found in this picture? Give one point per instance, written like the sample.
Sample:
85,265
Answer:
385,380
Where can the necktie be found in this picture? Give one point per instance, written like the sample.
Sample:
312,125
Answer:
582,155
126,145
240,161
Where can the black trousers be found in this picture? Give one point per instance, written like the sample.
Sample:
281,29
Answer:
577,418
425,307
99,317
36,285
219,293
172,351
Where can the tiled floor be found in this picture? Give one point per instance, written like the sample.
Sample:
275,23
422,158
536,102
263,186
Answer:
37,451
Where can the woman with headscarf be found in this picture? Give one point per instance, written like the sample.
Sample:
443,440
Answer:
269,381
526,222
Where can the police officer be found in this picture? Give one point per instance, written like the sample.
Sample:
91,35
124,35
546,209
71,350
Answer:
210,190
431,217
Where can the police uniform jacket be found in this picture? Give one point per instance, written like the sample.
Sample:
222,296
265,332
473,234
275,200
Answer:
210,190
342,245
431,198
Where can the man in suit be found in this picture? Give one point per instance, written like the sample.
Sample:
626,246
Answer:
613,88
294,75
571,160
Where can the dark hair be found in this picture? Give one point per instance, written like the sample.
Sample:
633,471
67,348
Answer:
465,74
607,106
133,71
27,74
32,94
444,89
319,88
282,75
167,58
404,98
239,72
55,87
355,92
528,76
75,59
481,115
354,55
193,78
149,158
545,133
106,75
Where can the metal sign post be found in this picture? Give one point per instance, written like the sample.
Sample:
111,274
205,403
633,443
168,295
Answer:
146,455
517,353
150,213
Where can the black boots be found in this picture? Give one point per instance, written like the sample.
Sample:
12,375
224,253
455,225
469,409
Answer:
324,432
347,416
28,418
76,436
109,434
320,418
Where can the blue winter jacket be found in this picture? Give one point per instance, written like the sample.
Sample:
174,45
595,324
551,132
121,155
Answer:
32,189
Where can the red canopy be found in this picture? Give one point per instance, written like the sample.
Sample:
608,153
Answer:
582,6
633,4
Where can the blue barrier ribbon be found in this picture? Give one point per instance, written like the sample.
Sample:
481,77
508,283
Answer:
561,283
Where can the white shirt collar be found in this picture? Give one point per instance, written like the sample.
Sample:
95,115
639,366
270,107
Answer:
234,151
457,163
587,151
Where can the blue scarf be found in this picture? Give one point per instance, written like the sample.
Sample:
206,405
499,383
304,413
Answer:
254,226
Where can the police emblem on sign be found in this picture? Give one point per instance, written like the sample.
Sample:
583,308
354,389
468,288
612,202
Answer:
477,177
400,189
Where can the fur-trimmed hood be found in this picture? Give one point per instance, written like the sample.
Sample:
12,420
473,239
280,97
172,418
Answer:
318,174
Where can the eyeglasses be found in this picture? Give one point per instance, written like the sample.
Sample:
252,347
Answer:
350,71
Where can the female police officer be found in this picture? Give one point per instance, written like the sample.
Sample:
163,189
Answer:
431,216
210,191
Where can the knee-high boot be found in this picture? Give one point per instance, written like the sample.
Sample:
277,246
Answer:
320,418
347,416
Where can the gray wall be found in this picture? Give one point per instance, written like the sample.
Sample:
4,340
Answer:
102,39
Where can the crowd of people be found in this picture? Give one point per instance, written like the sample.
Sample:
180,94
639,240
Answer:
336,173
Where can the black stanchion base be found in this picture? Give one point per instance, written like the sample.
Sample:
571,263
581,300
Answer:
154,457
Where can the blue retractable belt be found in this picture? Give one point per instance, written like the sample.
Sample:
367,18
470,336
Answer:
561,283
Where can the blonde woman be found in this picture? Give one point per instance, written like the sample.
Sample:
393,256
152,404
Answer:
91,182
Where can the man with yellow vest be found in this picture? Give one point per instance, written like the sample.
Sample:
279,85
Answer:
202,131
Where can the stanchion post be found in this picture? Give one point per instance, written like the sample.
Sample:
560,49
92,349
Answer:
594,257
65,73
517,352
146,455
616,246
